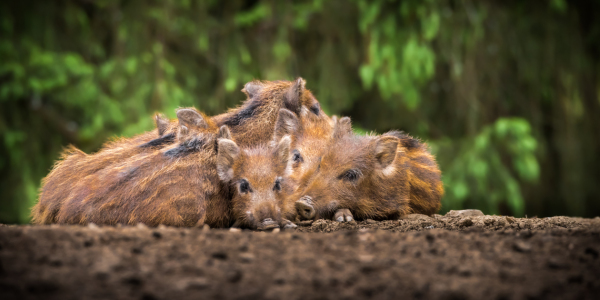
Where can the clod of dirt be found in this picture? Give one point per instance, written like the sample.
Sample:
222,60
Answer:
557,264
305,223
466,222
464,213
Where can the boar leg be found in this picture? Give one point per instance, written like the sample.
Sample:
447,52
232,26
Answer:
287,224
343,215
267,224
236,224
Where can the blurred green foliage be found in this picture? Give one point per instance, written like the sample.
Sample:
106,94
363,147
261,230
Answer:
505,92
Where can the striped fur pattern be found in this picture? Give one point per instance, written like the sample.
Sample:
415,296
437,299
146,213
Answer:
175,185
376,177
251,124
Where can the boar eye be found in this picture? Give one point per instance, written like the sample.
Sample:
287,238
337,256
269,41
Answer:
277,186
350,175
244,186
296,156
315,108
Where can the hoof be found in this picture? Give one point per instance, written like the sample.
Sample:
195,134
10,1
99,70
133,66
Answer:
343,215
267,224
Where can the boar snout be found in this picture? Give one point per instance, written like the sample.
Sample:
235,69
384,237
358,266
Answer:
267,224
305,209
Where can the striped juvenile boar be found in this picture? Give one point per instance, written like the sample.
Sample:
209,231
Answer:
174,185
256,179
180,185
378,177
251,124
310,136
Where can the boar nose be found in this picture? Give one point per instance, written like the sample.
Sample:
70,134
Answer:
305,208
267,224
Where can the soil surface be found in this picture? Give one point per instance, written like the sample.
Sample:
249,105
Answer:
462,255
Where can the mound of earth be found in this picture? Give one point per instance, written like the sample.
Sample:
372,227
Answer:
463,255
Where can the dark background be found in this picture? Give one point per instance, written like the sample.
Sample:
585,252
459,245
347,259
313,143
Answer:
506,93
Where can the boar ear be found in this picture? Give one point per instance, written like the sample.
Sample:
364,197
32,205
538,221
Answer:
385,150
191,118
228,153
342,127
162,123
282,152
252,88
293,95
287,124
224,133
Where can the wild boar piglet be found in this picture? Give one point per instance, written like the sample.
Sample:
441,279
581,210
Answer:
310,136
256,180
373,176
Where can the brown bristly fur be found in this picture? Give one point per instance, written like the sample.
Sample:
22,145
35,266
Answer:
74,164
175,185
251,124
378,177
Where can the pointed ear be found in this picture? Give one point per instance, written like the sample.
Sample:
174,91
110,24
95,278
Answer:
282,151
183,131
342,127
191,118
162,123
252,88
385,150
224,133
287,124
228,153
293,95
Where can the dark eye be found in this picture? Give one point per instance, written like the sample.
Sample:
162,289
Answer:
244,186
315,109
296,156
277,186
350,175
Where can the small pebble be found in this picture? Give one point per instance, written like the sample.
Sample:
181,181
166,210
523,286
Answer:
233,229
522,246
205,227
465,213
246,257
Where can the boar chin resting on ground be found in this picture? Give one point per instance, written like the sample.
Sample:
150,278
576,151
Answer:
378,177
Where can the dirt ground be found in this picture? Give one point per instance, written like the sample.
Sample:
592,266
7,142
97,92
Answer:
457,256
